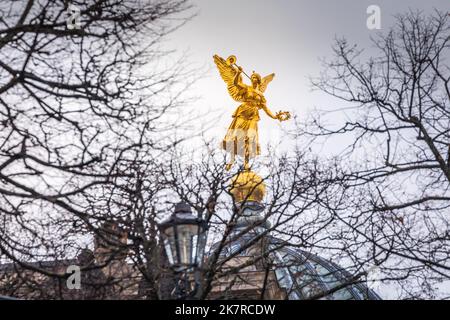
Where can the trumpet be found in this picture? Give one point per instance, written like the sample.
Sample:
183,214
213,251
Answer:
231,61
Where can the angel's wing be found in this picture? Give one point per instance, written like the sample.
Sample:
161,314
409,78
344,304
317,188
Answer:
228,73
265,81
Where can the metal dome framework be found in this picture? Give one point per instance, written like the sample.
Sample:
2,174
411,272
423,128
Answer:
302,274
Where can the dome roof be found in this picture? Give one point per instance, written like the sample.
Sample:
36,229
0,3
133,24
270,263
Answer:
302,274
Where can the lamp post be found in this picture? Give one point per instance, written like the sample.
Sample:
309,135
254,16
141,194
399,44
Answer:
184,238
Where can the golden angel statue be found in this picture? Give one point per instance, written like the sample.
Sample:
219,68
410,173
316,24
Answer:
242,135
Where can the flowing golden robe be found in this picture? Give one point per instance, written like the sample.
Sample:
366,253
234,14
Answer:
242,134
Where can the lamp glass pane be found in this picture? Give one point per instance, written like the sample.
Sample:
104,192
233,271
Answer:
194,249
186,234
169,251
201,243
171,245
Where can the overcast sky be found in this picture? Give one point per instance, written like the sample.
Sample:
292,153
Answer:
287,37
283,36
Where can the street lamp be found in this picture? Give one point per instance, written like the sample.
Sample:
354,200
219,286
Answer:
184,239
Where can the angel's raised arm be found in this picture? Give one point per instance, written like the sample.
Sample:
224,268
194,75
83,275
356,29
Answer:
238,80
232,78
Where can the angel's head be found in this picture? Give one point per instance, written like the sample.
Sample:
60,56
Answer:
256,79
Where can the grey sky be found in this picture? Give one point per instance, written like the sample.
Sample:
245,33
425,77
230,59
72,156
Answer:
283,36
286,37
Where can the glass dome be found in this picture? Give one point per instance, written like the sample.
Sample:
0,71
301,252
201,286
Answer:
301,274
